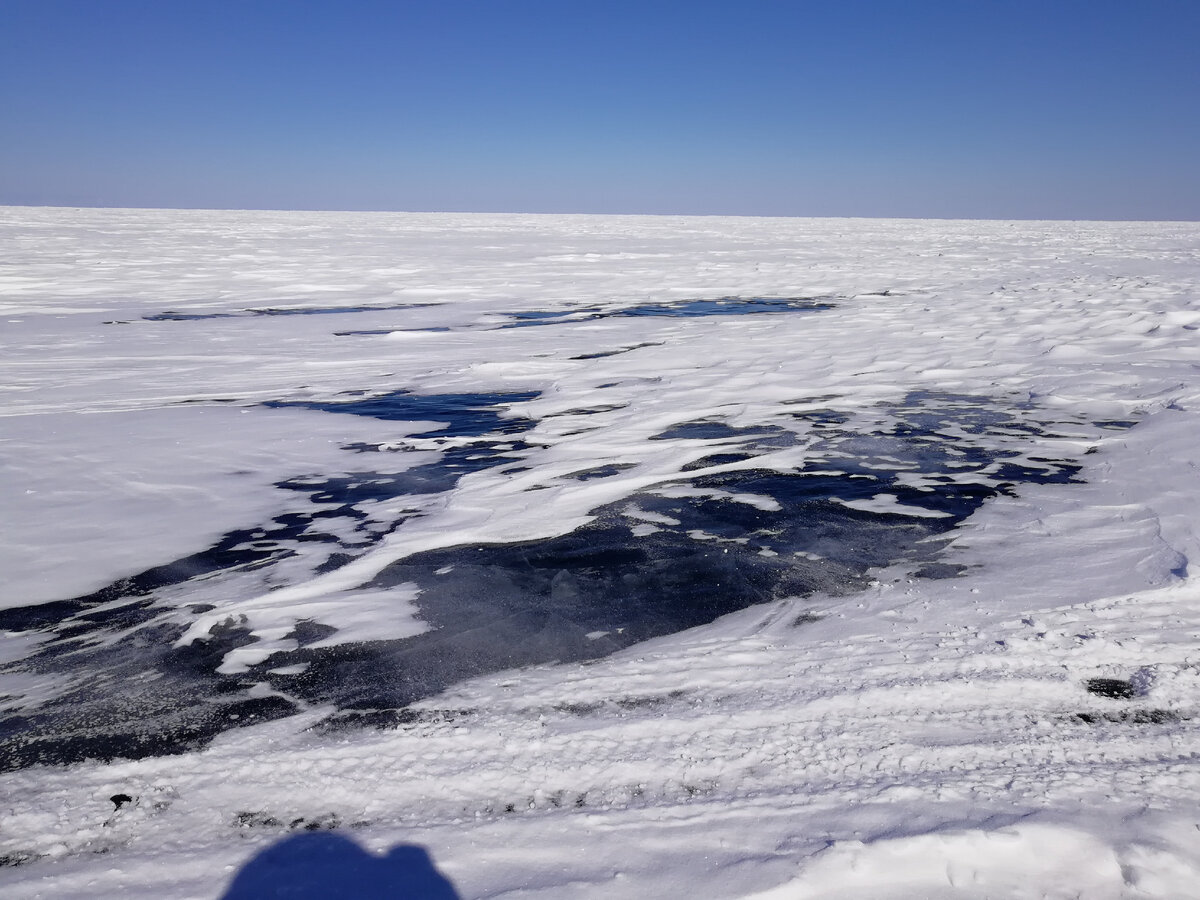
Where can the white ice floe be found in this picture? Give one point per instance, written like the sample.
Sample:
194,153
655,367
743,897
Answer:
920,737
887,503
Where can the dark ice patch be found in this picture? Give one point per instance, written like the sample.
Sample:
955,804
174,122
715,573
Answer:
600,471
727,306
577,596
599,589
332,310
173,316
711,430
937,571
822,418
306,632
465,415
525,319
751,441
376,331
247,549
683,309
18,858
717,459
587,410
388,718
170,700
1130,717
1113,688
619,351
142,697
243,549
432,478
48,740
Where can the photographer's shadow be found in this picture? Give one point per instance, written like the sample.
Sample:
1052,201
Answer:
324,866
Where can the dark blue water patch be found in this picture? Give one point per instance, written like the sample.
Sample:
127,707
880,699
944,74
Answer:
465,415
810,400
378,331
727,306
709,429
525,319
600,588
954,501
146,697
1115,424
683,309
821,418
600,471
1112,688
353,488
248,549
333,310
587,410
686,309
1009,474
941,570
818,416
578,596
503,448
243,549
618,351
431,478
939,415
173,316
754,439
717,459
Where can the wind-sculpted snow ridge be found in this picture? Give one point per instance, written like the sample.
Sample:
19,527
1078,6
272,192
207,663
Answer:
600,557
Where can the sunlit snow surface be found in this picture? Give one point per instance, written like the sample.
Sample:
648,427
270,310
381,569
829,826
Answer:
602,557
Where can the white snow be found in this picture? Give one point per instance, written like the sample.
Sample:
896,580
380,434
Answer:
887,503
922,738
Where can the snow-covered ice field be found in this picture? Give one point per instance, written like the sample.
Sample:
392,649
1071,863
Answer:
599,557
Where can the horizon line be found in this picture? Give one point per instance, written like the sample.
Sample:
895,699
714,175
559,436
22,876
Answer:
434,212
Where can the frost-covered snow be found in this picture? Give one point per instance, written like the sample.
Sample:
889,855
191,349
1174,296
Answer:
266,388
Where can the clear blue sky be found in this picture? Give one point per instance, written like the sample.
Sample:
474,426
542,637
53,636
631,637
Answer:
970,108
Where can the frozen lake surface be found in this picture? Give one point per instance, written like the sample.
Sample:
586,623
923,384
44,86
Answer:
758,557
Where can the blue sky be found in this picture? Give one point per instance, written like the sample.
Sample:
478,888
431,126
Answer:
973,108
